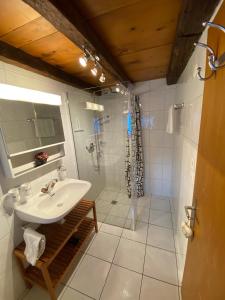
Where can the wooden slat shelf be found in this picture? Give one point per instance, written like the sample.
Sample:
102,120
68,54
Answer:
63,243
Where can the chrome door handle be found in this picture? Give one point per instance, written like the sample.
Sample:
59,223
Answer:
190,216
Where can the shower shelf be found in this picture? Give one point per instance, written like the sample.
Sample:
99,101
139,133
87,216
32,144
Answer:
63,244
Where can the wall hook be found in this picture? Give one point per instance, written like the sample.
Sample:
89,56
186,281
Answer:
215,63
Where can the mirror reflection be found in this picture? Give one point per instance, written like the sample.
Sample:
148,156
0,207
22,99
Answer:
27,126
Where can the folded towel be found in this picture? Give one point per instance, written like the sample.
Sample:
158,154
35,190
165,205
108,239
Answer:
35,245
170,122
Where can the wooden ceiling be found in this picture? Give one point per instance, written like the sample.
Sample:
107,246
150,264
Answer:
138,33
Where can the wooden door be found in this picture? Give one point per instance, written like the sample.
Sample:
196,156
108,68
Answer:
204,275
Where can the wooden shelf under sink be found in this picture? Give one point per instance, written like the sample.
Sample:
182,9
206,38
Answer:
63,244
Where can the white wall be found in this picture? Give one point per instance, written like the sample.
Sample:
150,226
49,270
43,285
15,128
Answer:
189,90
156,98
11,283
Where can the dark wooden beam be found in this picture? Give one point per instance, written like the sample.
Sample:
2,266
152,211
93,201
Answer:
22,59
189,30
64,15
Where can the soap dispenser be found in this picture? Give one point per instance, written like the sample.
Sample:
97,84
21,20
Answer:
62,173
25,192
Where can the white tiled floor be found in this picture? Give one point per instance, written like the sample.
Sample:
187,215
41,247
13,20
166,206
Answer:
120,264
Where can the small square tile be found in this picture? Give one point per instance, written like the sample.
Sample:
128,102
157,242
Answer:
123,198
160,264
161,237
122,284
101,217
115,230
156,290
130,255
114,220
144,201
160,204
120,210
90,276
104,246
142,214
139,235
161,218
103,207
108,195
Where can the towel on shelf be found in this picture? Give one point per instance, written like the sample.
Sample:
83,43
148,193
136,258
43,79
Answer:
35,245
170,121
44,128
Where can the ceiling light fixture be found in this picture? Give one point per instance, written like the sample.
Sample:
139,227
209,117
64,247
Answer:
102,77
87,56
83,60
97,58
94,71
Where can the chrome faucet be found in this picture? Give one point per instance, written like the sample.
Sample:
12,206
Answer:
49,187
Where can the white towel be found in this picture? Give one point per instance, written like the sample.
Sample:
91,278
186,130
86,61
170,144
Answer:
170,121
35,245
44,128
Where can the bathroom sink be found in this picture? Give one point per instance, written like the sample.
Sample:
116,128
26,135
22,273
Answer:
45,209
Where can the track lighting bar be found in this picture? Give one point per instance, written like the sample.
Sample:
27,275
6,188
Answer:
89,56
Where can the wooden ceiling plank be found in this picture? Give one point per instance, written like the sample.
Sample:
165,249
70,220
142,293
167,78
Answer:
102,7
22,59
65,17
28,33
189,30
147,58
13,14
143,25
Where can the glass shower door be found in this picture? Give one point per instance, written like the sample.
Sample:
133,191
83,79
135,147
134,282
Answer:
100,143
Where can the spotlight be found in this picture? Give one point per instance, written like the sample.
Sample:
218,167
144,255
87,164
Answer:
97,58
102,78
94,71
117,89
83,60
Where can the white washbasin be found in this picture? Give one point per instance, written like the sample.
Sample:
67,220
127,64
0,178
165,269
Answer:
45,209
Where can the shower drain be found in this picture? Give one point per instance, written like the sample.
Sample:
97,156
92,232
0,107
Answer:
114,202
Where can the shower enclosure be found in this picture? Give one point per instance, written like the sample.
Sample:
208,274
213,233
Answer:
100,134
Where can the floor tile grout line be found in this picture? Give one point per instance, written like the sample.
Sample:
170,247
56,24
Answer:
112,263
178,280
121,237
142,276
79,292
109,269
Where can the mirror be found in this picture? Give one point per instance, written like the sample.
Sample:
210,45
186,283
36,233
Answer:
27,126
